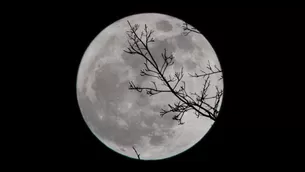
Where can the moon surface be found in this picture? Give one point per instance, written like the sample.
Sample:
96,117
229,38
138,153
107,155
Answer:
121,118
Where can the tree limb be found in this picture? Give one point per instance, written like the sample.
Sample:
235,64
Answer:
207,74
187,29
138,155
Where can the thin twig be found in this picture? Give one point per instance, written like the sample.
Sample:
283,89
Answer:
187,29
138,155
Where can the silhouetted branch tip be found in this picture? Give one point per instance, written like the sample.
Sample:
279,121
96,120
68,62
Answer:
138,155
207,74
188,29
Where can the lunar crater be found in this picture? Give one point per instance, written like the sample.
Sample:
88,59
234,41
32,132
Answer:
164,25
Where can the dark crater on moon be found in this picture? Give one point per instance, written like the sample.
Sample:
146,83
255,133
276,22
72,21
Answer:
156,140
185,43
190,64
164,25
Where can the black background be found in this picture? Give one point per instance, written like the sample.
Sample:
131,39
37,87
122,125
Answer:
260,119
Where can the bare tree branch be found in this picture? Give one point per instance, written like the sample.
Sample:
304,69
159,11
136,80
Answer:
188,29
149,91
179,107
138,155
206,74
186,102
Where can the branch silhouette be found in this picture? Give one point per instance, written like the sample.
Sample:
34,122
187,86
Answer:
139,44
188,29
207,74
138,155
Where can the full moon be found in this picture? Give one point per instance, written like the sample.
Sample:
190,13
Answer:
126,120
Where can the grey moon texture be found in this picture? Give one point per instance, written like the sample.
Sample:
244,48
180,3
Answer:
121,118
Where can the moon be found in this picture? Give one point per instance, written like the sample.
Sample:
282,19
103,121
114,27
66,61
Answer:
122,118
